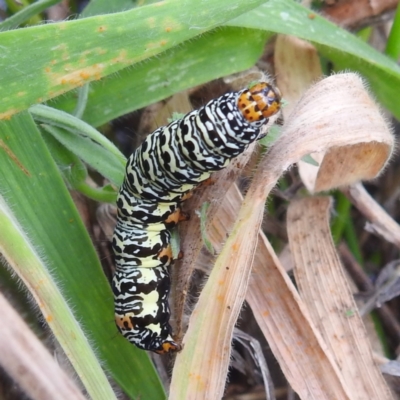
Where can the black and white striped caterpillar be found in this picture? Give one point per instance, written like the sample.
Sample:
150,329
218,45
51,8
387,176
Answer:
160,174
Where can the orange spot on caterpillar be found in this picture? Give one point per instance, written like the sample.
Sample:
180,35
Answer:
165,252
124,321
49,318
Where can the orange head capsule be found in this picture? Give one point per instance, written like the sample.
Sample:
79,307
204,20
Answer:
259,102
169,346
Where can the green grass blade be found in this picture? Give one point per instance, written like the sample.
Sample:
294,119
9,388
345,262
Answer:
210,56
91,153
32,187
83,94
71,53
55,117
97,7
393,43
74,171
205,58
25,260
26,13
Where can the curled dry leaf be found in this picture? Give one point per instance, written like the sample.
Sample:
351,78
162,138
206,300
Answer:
314,126
381,222
353,138
283,317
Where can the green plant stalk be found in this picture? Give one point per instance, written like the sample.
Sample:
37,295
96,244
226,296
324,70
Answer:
93,154
393,42
100,195
352,241
339,223
83,94
27,13
73,124
22,257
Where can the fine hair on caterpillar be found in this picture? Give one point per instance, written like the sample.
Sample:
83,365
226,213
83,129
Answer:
160,175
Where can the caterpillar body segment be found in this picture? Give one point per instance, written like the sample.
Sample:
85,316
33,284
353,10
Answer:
160,175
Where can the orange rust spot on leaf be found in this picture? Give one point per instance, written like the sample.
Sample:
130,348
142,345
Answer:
47,69
84,75
79,77
163,42
168,29
8,114
101,28
121,57
14,158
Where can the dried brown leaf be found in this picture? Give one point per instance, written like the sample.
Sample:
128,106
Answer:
29,363
325,291
314,126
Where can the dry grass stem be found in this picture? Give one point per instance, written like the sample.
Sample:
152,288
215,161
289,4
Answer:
283,317
29,363
298,66
379,220
325,291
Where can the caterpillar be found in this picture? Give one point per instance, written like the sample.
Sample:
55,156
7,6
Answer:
160,175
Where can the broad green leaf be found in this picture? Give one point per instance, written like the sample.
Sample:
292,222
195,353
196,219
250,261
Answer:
344,49
205,58
212,55
71,53
96,7
34,192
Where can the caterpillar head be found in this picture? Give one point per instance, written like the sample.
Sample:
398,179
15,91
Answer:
168,346
259,102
